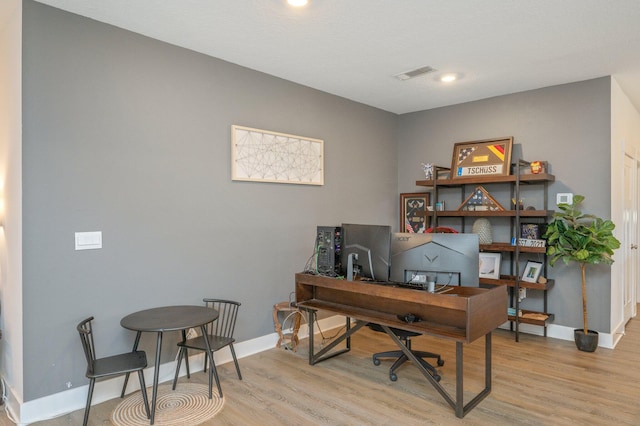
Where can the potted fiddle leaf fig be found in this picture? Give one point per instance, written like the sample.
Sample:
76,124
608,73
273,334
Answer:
586,240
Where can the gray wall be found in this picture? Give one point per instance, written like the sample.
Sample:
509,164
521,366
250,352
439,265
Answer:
130,136
567,125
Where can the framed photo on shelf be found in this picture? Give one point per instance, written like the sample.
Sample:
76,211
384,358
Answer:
413,212
531,231
490,157
532,271
490,265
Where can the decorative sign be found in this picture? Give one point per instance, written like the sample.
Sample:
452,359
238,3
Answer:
263,156
529,242
482,158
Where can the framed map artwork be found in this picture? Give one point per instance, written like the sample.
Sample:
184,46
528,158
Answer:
264,156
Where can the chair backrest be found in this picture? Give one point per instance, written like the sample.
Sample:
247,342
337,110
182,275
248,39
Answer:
86,337
225,325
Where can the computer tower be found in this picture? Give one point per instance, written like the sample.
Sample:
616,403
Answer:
329,247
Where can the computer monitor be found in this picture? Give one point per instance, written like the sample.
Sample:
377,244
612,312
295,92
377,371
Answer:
444,258
365,251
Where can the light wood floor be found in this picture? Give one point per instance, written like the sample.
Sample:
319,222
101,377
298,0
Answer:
537,381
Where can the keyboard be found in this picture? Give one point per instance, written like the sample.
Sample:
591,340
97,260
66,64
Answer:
440,288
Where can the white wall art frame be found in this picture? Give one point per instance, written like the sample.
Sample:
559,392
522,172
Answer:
264,156
490,265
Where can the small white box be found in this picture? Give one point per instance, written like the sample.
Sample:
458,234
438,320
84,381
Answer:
564,198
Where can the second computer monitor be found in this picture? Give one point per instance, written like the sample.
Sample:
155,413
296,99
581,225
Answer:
447,258
365,251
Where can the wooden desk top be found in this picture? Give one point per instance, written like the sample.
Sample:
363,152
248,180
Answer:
462,314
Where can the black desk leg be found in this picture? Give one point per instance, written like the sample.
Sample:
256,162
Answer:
460,408
458,404
312,320
462,411
459,381
323,354
126,377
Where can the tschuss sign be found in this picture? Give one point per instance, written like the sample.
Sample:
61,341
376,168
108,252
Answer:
494,169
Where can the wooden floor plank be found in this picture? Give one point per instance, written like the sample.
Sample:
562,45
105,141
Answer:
537,381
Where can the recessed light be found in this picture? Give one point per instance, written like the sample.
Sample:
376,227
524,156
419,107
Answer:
448,78
297,3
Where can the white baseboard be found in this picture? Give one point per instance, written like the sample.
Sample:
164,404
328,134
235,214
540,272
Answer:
605,340
61,403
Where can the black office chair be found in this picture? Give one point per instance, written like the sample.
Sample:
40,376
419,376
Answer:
401,358
114,365
220,334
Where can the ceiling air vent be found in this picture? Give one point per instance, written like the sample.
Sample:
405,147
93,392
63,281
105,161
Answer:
414,73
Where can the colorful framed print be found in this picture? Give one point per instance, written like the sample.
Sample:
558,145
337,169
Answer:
491,157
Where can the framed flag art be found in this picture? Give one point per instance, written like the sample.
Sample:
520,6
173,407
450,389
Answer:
413,212
491,157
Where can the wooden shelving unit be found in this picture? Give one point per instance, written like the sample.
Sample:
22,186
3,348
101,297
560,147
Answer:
510,281
507,247
533,321
524,178
515,216
504,213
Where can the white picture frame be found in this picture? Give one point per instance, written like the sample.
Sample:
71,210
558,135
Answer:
531,271
490,265
265,156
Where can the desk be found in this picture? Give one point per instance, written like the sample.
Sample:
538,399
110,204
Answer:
170,318
463,315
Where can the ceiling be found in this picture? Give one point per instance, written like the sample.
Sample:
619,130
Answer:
353,48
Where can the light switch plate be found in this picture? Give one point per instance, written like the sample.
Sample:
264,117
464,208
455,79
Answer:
88,240
564,198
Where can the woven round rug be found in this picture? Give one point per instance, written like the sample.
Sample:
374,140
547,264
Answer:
188,405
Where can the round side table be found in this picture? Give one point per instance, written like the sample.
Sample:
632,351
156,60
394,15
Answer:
288,310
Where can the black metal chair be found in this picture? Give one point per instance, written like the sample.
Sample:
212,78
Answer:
114,365
401,358
220,334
